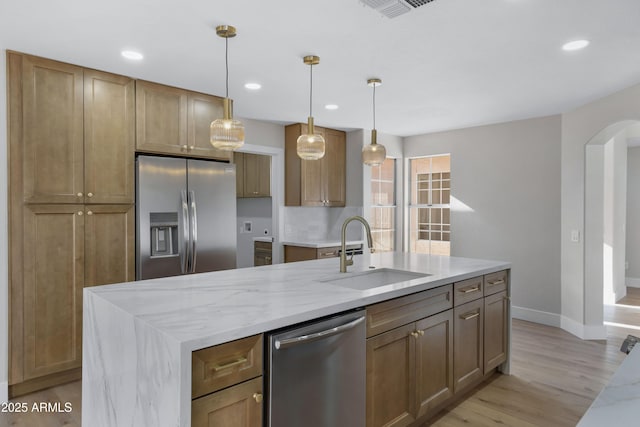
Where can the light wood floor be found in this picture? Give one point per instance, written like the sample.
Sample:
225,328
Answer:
554,378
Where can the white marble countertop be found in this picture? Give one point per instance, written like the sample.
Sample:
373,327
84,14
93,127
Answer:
202,310
321,243
619,401
138,337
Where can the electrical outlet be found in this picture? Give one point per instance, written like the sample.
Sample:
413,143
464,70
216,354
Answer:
575,236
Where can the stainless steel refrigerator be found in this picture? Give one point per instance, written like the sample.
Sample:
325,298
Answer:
185,216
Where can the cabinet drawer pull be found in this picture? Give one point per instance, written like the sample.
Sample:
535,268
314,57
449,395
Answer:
469,289
468,316
192,147
79,194
497,282
420,332
221,366
80,213
257,397
89,213
89,194
414,334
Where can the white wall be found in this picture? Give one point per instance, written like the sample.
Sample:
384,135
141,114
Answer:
602,120
506,179
4,274
633,215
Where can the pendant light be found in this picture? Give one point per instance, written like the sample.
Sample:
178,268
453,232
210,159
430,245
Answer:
311,145
374,153
226,133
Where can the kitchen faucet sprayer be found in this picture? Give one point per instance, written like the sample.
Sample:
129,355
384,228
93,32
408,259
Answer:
344,262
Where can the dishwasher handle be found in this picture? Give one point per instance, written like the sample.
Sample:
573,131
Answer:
290,342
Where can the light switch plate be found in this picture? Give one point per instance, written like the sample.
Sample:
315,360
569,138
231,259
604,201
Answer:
575,235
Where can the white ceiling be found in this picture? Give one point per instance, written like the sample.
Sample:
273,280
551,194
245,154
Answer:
448,64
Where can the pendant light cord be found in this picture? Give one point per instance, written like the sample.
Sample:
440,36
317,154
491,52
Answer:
374,106
226,62
311,91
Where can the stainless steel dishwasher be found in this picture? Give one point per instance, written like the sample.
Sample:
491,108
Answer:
317,373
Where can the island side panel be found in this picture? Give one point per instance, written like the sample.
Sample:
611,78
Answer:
131,373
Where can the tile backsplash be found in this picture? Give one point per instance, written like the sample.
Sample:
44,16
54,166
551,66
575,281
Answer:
318,223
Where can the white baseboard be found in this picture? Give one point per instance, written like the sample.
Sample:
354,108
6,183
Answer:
536,316
584,332
632,282
4,391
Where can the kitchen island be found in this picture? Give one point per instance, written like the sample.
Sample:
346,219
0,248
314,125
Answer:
138,337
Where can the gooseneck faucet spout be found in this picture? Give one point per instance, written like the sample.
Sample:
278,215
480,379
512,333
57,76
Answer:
344,262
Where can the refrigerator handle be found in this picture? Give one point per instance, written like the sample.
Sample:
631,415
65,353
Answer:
194,229
184,250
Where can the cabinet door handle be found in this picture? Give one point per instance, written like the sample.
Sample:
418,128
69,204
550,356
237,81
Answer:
221,366
89,194
469,289
192,147
414,334
420,332
497,282
184,147
257,397
80,213
89,213
79,194
468,316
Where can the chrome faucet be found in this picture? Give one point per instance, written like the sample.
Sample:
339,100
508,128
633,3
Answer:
344,262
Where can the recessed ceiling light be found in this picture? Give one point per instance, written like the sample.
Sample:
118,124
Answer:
253,86
575,45
331,107
132,54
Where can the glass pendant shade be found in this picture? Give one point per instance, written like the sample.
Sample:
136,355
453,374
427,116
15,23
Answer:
373,154
310,146
226,133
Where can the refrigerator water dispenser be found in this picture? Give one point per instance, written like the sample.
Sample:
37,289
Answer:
164,234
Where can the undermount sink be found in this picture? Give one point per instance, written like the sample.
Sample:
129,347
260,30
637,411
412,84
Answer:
374,278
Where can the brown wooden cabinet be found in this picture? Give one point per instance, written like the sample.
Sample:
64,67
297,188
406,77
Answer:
434,362
175,121
53,269
71,193
237,406
253,175
47,120
109,245
496,321
109,134
315,182
468,340
409,367
262,253
227,385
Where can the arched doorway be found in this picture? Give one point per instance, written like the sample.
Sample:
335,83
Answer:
605,217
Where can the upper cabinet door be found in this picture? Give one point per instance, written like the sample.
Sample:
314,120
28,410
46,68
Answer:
312,181
109,129
203,109
334,168
161,118
257,175
52,126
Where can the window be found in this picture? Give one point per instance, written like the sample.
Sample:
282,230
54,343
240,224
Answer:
383,205
429,211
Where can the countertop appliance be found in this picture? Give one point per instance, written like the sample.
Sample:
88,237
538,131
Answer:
185,216
316,375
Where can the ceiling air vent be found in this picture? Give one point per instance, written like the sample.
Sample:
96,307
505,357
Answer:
394,8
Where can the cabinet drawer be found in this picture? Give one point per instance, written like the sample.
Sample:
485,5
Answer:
240,405
467,290
496,282
328,252
262,245
220,366
388,315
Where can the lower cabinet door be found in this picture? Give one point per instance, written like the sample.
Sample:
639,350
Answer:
468,344
237,406
390,378
495,330
434,362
